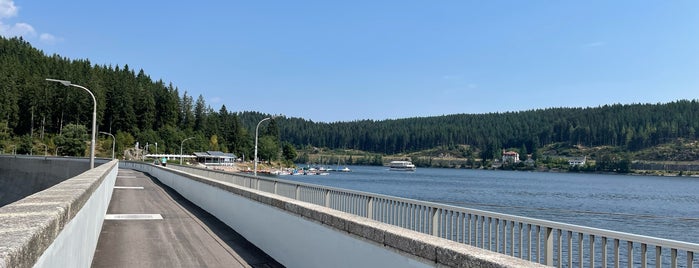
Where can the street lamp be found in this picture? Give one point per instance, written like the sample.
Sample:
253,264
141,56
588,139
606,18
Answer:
94,116
182,143
256,132
113,141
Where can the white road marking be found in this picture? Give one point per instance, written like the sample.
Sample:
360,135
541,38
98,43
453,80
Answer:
129,187
133,217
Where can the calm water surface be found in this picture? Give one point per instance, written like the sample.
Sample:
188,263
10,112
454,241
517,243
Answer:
666,207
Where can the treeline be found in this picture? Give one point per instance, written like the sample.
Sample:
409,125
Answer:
631,127
134,107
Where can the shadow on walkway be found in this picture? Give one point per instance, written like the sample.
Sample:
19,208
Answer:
254,256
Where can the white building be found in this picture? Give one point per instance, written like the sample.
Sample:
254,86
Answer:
577,161
510,157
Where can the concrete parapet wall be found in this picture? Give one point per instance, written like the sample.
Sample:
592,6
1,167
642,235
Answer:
21,176
299,234
59,226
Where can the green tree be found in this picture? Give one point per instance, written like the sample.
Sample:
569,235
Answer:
199,114
124,140
72,141
267,148
213,143
289,152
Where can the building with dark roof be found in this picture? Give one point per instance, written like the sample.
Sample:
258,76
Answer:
215,158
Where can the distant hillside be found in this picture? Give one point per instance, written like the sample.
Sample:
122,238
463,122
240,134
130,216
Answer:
630,127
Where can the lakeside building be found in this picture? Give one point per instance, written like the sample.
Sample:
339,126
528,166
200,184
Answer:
510,157
577,161
215,158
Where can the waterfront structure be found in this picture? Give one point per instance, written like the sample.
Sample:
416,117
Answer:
215,158
510,157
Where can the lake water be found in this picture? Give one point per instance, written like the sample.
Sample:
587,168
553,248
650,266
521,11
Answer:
666,207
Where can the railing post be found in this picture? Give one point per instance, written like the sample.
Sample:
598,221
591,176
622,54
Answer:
497,235
521,243
537,234
658,257
327,198
570,249
370,208
592,251
529,246
548,246
690,259
580,250
629,254
435,222
673,257
616,253
483,232
512,238
298,192
275,187
604,251
559,238
490,233
644,252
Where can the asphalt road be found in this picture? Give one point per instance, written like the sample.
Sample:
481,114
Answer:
186,236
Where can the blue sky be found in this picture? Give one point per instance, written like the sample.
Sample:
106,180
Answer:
351,60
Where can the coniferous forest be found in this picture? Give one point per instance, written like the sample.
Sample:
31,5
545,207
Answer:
37,116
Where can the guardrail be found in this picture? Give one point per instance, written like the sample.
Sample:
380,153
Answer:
546,242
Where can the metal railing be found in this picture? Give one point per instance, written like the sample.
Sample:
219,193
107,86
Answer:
546,242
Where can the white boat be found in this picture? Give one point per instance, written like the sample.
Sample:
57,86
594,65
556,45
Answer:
401,166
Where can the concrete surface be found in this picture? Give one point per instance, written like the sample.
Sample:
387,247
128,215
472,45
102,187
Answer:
187,236
31,225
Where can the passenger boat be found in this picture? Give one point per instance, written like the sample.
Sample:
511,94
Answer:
401,166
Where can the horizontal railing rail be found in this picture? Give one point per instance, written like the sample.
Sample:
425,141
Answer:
546,242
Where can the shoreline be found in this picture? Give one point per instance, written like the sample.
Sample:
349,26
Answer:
268,169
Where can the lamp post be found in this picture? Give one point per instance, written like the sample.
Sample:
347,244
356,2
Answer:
113,141
182,143
94,116
256,133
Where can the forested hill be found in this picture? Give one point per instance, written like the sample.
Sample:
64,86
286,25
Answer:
632,127
135,108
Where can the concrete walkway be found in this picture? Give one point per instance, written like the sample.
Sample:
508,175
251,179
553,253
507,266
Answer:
133,235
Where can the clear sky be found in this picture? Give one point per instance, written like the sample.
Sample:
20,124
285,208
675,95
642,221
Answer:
350,60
